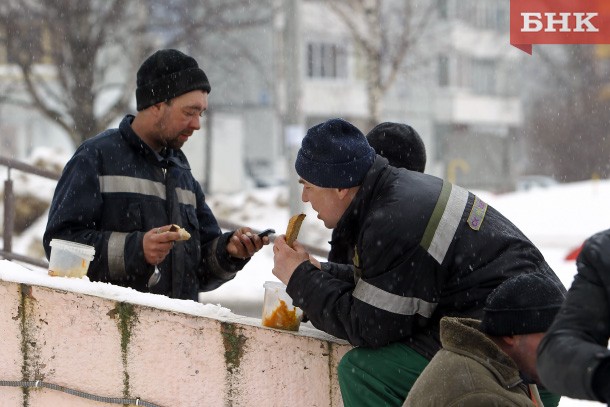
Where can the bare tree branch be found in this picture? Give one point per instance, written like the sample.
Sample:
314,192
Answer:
386,31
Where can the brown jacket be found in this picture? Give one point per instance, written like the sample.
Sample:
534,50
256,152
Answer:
469,371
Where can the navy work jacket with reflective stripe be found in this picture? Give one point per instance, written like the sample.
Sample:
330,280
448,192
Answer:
115,189
424,249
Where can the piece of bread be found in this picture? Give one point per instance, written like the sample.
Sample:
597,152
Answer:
184,235
294,226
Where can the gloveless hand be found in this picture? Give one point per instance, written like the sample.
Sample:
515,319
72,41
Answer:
287,259
244,243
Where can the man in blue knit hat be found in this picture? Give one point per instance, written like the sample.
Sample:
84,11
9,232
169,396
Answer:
403,148
423,249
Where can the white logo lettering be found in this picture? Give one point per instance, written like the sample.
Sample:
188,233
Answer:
529,19
586,21
550,22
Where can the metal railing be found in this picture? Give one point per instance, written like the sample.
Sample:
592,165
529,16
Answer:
9,209
9,214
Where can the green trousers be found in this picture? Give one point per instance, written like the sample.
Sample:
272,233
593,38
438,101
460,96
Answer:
549,399
379,377
383,377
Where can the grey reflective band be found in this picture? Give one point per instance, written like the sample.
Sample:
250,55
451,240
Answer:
186,197
396,304
444,221
116,256
214,266
117,183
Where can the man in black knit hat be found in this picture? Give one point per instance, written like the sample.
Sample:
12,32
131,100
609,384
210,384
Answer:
492,362
423,249
400,144
123,189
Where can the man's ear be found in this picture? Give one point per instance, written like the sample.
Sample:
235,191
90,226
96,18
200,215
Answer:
157,109
342,192
509,340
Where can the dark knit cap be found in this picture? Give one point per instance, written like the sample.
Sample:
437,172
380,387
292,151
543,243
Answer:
334,154
400,144
166,74
521,305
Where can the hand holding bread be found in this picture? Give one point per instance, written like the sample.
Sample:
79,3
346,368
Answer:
285,260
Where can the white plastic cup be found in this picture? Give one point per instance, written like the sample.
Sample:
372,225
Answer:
278,310
69,259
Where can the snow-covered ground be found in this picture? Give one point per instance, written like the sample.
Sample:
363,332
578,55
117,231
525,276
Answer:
557,219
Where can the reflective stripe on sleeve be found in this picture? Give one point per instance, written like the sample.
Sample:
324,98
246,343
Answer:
214,265
116,256
186,197
444,221
384,300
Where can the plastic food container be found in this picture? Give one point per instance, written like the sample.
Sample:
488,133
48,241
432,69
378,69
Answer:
278,311
69,259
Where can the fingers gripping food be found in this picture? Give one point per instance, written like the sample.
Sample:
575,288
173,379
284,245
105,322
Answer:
294,225
184,235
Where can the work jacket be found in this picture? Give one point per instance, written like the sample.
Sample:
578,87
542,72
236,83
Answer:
424,248
115,189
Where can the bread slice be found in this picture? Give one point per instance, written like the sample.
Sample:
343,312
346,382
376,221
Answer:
294,226
184,235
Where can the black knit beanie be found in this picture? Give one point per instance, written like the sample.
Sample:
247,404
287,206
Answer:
334,154
521,305
166,74
400,144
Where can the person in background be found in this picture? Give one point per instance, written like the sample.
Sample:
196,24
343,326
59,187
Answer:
424,249
123,189
402,146
492,362
573,358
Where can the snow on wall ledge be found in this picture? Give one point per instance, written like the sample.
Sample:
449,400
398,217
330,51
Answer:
113,342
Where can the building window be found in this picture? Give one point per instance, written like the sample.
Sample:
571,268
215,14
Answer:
326,60
443,11
443,71
485,15
483,76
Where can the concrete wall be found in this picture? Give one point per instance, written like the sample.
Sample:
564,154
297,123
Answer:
120,349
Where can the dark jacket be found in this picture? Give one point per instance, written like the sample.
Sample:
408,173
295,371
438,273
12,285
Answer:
424,249
115,189
574,351
470,370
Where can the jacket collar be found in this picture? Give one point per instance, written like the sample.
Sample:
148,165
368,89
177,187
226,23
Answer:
462,336
349,223
168,159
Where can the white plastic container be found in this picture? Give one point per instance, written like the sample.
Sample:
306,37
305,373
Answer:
278,310
69,259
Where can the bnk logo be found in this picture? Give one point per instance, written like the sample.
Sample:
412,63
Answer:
559,22
565,22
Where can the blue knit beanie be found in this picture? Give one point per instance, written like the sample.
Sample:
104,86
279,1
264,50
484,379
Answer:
334,154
